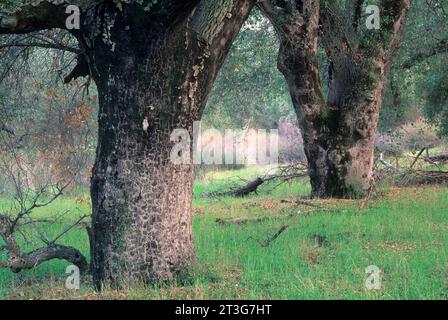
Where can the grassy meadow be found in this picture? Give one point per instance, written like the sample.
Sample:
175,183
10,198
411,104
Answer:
323,253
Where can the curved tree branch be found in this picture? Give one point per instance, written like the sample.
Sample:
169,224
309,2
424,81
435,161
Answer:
212,28
38,256
41,45
419,57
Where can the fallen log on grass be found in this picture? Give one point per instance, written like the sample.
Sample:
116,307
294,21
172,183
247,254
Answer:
283,174
420,177
239,220
250,187
438,158
302,202
408,176
267,242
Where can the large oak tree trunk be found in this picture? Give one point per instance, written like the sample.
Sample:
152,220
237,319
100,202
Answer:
343,167
141,201
149,85
339,131
154,63
338,134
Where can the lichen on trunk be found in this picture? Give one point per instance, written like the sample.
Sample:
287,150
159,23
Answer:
338,131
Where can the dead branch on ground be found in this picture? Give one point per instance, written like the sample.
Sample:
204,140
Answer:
28,193
410,176
240,220
438,158
266,243
282,174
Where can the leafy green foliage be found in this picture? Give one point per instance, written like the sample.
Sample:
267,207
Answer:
420,89
250,91
436,107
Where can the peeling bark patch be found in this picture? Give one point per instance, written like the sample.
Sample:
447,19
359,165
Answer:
145,124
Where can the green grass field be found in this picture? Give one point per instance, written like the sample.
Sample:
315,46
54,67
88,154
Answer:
322,255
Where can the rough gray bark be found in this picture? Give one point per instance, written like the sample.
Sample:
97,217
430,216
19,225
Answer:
154,70
339,131
148,86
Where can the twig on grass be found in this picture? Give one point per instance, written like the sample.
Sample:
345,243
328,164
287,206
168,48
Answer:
240,220
266,243
417,157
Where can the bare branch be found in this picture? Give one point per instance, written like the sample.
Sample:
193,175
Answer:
34,18
41,45
35,204
26,200
69,228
